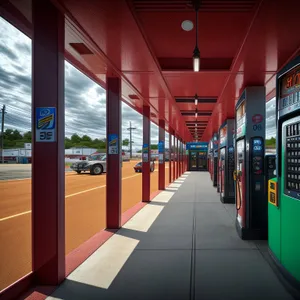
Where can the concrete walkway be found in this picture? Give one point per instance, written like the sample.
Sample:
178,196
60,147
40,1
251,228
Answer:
183,245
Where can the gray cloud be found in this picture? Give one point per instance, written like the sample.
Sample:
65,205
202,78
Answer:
8,52
85,101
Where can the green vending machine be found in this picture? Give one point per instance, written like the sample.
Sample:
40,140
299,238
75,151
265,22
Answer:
284,190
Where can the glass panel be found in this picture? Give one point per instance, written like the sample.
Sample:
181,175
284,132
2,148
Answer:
271,126
85,145
194,159
15,159
131,170
154,157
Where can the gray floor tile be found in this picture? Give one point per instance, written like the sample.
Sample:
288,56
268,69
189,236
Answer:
236,274
146,275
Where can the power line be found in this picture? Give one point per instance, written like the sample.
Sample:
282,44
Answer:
130,138
3,112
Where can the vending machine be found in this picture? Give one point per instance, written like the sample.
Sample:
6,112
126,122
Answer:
251,196
284,190
210,158
226,162
215,160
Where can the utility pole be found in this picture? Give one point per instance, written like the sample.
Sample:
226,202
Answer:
130,139
3,112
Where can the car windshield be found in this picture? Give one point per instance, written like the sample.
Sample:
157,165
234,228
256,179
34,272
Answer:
97,157
139,164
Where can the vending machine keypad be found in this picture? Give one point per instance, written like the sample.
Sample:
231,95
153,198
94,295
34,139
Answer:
292,160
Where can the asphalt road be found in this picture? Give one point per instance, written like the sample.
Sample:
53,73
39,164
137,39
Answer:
17,171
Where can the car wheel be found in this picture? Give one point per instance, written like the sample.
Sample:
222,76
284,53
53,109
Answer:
96,170
78,172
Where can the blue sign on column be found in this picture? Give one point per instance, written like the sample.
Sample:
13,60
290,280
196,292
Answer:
113,144
45,127
145,153
161,147
161,151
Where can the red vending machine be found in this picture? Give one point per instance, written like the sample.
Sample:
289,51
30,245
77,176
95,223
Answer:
251,197
226,162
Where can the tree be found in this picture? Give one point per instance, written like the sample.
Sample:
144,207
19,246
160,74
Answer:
75,139
125,142
28,136
154,147
271,142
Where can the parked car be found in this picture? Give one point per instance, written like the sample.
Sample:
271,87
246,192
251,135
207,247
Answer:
139,167
94,165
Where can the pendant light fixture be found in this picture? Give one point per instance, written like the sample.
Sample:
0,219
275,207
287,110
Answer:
196,99
196,53
196,113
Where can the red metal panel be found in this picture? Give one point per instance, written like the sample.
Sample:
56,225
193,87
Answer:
114,172
48,187
161,166
170,156
174,157
177,157
146,161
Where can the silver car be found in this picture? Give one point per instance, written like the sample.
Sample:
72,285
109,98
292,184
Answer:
92,165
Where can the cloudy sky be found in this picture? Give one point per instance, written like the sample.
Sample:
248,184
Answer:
85,107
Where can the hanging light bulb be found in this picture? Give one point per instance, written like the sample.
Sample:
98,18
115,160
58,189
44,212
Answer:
196,99
196,114
196,60
196,54
196,124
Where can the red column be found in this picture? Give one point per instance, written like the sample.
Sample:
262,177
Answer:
180,173
179,158
161,162
146,155
185,159
174,157
113,152
177,161
48,163
170,156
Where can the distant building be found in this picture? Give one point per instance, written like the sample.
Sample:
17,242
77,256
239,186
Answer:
23,155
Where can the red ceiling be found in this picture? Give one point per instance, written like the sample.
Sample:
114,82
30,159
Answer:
242,42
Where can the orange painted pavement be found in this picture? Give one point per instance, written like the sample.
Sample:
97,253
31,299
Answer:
85,215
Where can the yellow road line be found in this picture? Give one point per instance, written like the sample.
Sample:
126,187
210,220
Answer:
16,215
68,196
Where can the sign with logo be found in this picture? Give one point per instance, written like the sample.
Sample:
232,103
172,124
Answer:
45,127
113,144
161,150
145,152
256,120
197,146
